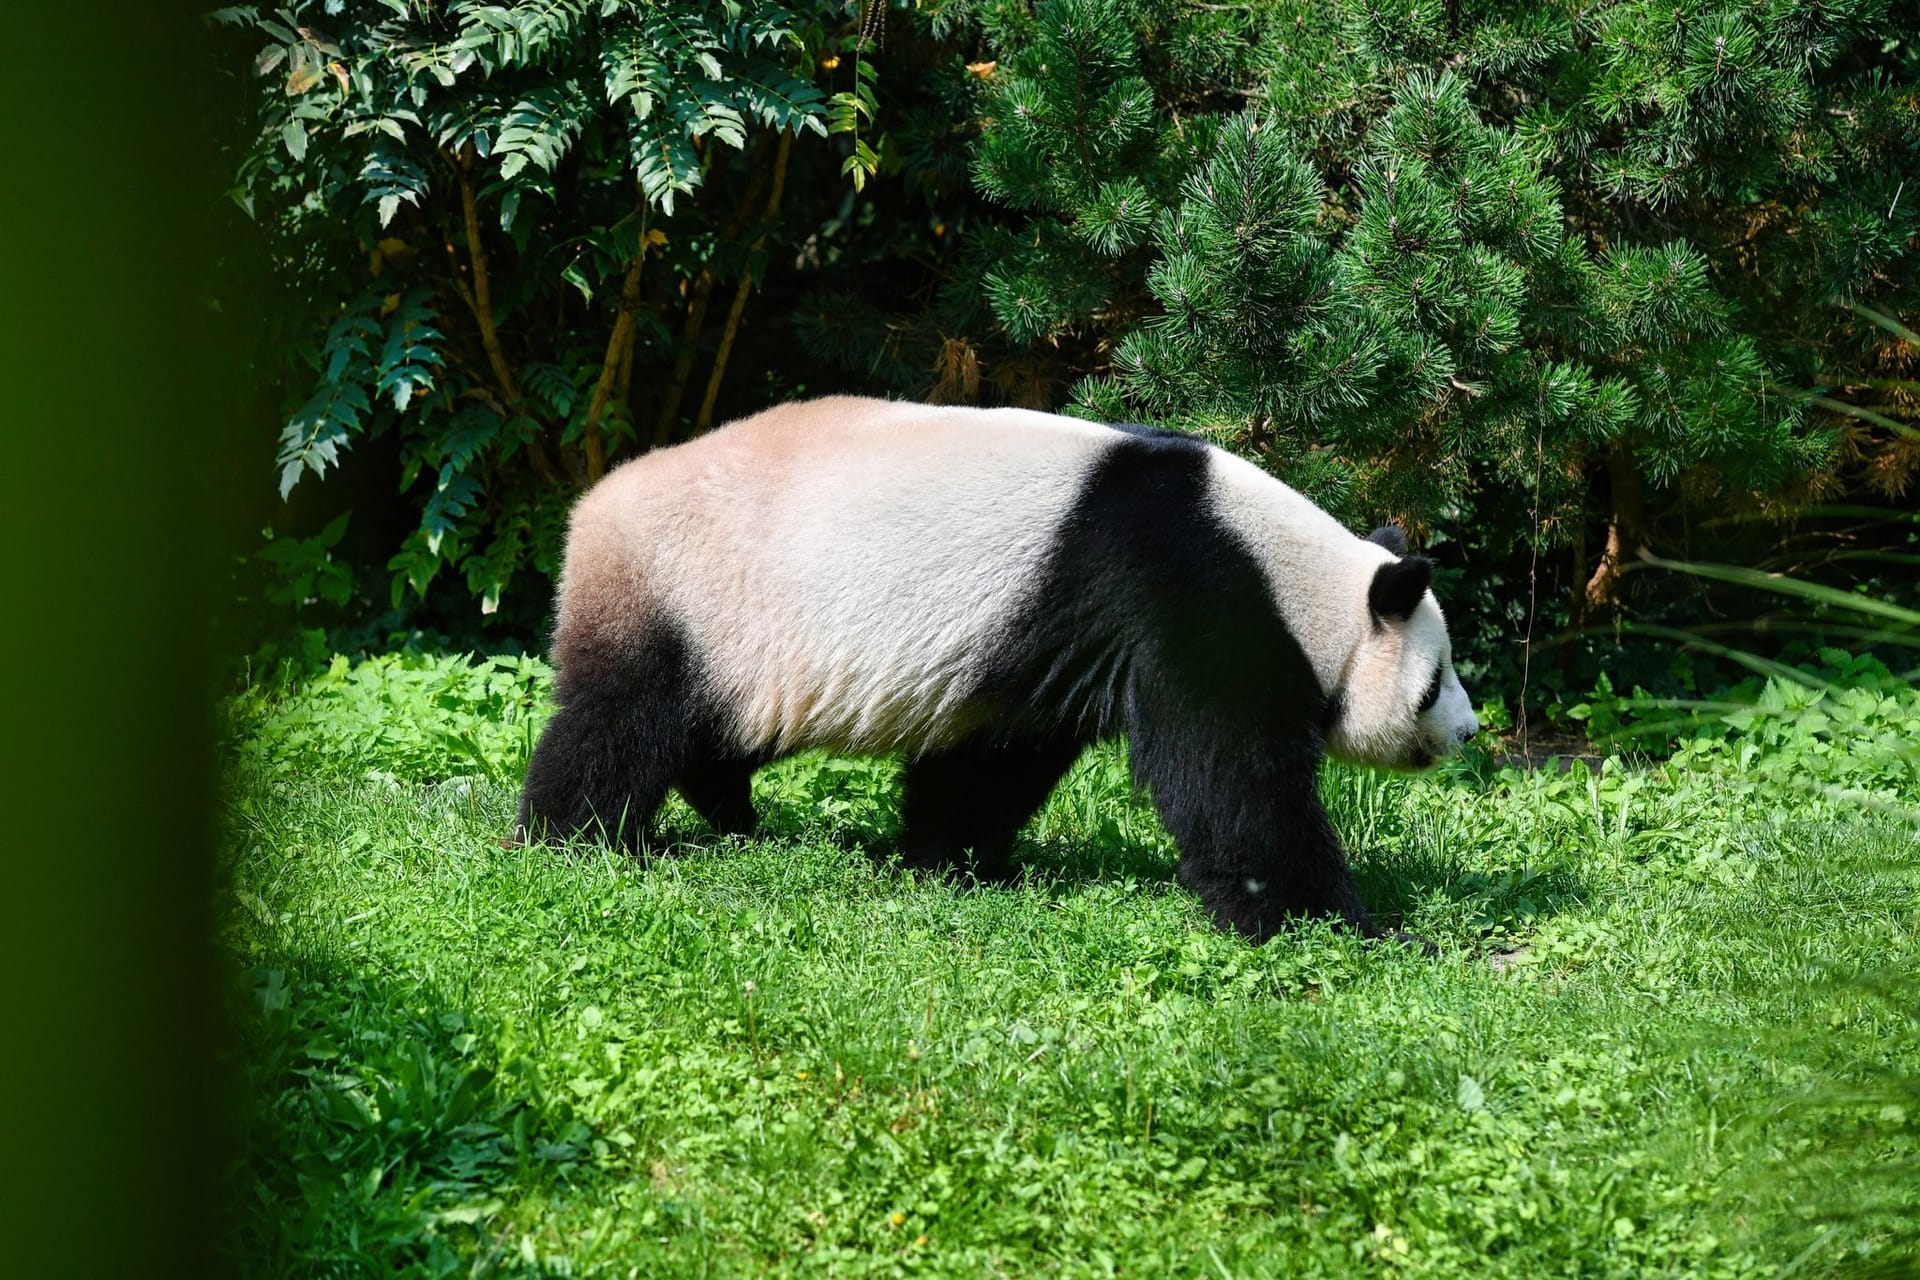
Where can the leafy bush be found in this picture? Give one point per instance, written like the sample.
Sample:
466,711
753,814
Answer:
1862,742
1844,730
398,716
504,234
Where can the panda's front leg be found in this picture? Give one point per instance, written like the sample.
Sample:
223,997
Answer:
1269,868
1255,843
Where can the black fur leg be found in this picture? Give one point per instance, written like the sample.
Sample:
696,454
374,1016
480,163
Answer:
720,790
586,777
961,808
606,758
1255,843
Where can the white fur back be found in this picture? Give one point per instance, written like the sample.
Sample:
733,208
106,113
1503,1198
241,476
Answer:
845,569
842,566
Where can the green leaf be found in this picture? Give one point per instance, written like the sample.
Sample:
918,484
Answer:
313,437
392,177
540,128
575,275
408,359
665,162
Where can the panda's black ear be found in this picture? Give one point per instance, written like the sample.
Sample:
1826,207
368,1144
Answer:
1398,587
1390,537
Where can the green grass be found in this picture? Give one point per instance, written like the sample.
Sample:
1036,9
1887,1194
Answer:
1658,1039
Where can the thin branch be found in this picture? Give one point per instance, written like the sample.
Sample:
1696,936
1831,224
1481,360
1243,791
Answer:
480,299
619,353
696,320
453,263
482,284
705,417
623,384
699,297
1857,411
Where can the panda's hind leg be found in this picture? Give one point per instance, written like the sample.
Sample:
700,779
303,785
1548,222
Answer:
961,807
719,787
618,741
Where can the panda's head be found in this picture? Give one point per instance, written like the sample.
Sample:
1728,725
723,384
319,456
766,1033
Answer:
1399,703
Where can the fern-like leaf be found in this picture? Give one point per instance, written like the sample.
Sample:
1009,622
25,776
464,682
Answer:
540,128
408,360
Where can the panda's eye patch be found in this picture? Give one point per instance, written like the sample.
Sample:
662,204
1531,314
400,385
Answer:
1432,695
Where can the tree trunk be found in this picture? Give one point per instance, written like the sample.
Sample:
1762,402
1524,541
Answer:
1626,534
619,359
700,292
704,419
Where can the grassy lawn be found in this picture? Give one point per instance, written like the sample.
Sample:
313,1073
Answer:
1659,1038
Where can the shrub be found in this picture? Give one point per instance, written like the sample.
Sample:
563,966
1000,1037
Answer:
397,716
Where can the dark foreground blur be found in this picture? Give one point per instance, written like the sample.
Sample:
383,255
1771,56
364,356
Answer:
114,455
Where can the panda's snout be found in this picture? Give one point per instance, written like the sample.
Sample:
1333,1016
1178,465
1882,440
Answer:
1469,731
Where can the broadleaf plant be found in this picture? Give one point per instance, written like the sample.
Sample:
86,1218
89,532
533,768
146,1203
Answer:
501,224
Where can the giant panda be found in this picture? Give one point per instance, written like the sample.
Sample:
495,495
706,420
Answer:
986,592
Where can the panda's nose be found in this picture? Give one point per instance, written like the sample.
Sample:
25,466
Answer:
1468,731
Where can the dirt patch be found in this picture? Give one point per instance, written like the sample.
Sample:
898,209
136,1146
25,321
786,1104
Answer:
1543,744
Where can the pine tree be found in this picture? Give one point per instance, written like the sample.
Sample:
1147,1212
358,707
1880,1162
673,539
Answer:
1508,269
